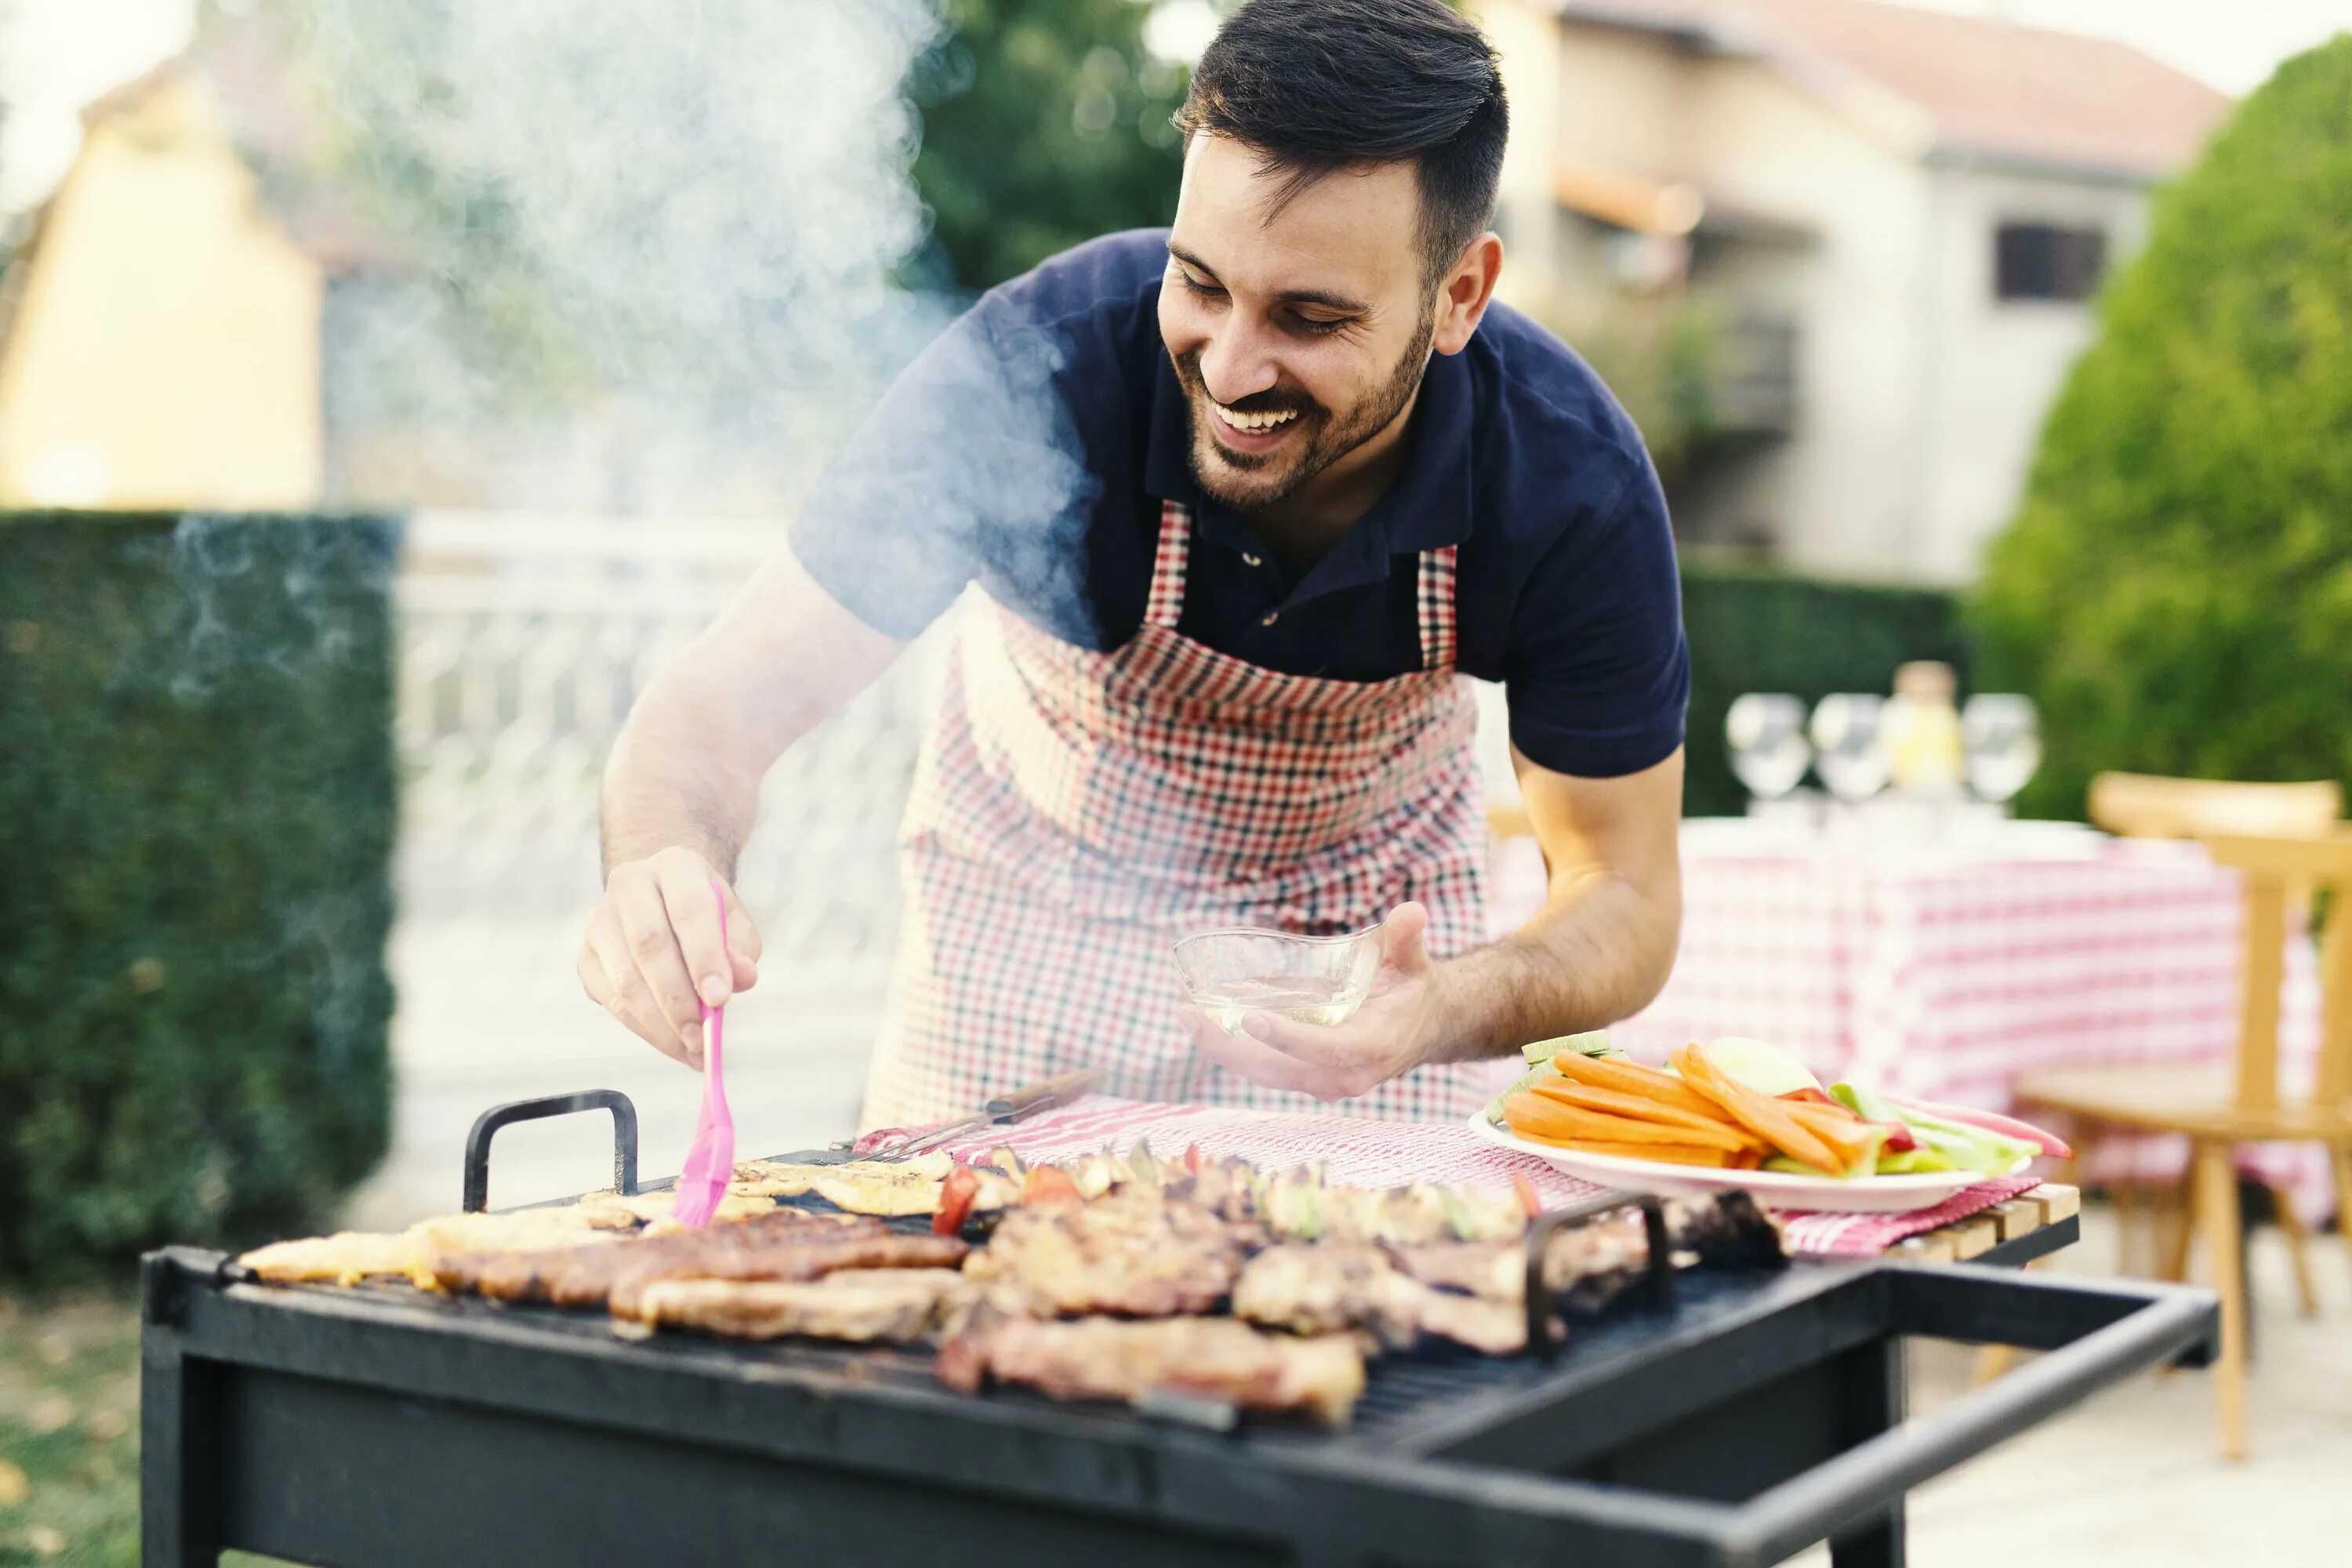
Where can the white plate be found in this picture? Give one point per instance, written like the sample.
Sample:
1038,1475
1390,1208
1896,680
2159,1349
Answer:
1773,1189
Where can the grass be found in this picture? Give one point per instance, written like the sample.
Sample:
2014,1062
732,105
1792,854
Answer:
69,1432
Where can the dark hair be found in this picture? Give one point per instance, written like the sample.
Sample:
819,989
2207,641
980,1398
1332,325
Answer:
1317,85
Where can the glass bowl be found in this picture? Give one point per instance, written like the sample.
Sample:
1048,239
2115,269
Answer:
1240,970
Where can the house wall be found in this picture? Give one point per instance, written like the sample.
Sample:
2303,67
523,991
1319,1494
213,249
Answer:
165,350
1838,495
1995,364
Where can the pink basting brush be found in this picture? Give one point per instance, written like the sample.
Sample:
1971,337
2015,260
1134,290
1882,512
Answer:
710,1163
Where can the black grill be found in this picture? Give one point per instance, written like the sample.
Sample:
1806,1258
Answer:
383,1427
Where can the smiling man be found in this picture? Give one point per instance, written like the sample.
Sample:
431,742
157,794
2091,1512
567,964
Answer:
1244,499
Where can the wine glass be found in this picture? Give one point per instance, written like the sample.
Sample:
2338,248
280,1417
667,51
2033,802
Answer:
1850,745
2001,736
1767,734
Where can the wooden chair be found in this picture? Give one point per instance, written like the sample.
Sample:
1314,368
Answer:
2218,1108
2144,806
2148,805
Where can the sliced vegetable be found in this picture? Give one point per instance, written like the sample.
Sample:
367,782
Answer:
1193,1159
1006,1160
956,1193
1457,1217
1758,1065
1529,1204
1812,1093
1768,1118
1592,1043
1139,1160
1538,1116
2049,1143
1611,1102
1632,1078
1049,1185
1668,1153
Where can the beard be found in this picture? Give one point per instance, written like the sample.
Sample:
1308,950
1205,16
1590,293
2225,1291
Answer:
1248,480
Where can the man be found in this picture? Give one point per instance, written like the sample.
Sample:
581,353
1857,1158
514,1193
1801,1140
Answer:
1245,497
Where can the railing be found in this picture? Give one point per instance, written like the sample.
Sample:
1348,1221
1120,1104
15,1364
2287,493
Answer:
524,641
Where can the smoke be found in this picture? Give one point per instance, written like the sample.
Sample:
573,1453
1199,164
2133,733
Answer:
655,240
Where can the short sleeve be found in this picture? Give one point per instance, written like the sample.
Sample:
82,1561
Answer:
1597,673
971,465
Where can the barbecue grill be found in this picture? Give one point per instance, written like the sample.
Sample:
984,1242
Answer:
1755,1414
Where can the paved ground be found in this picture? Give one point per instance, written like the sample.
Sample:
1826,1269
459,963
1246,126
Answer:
2133,1478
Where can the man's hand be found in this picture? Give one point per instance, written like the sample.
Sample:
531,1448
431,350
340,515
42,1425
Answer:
653,956
1401,1026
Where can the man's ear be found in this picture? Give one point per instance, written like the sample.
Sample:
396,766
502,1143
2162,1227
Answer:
1464,296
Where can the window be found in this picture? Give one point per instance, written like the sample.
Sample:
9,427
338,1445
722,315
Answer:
2044,261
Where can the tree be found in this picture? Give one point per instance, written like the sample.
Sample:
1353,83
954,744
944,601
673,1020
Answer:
1045,122
2177,588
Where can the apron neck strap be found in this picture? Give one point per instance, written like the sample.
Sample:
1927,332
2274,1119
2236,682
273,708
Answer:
1164,606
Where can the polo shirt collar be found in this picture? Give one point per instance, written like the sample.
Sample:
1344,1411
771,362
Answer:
1426,506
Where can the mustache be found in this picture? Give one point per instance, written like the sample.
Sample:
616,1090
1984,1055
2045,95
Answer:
1272,400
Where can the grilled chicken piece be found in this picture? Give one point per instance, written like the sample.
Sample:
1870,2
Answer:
611,1211
886,1187
1134,1252
859,1305
1109,1358
1312,1289
1589,1266
815,1258
344,1258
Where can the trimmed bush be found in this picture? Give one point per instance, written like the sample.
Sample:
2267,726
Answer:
1757,630
2177,589
196,821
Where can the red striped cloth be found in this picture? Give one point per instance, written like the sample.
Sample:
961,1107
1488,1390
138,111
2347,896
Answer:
1365,1154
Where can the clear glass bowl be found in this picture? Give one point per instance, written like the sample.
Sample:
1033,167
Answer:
1240,970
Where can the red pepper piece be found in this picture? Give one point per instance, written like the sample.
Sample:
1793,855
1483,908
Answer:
1050,1184
956,1194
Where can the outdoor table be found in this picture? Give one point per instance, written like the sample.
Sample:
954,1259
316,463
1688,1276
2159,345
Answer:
1946,970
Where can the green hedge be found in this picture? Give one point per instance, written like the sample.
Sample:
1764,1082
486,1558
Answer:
196,820
1755,630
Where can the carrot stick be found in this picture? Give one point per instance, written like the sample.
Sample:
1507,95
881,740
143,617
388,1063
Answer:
1767,1117
1849,1135
1631,1078
1554,1119
1640,1107
1665,1154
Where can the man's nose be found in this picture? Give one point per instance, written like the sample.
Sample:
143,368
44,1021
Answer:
1235,363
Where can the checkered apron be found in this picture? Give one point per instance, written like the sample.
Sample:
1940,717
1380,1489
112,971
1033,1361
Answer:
1073,813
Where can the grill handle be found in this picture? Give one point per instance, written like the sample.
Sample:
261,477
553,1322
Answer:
2096,1333
1659,1269
486,1126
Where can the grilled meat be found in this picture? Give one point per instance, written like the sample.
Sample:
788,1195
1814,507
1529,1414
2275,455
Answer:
1135,1252
1589,1266
860,1305
650,1211
1108,1357
345,1258
1330,1289
784,1244
886,1187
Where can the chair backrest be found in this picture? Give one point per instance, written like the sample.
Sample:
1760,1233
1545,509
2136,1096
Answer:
2275,866
2144,806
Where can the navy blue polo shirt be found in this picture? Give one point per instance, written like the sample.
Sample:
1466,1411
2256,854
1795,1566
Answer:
1028,449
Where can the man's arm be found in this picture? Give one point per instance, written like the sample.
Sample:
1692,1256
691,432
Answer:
1603,942
1598,951
681,791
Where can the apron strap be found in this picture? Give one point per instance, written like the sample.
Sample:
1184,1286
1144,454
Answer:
1165,604
1437,613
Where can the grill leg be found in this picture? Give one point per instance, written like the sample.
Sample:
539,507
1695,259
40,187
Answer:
178,1501
1873,1403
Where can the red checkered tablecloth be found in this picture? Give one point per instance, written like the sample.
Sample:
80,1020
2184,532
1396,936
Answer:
1365,1154
1945,977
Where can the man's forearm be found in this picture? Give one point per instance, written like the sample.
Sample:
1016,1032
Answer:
673,780
1598,952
